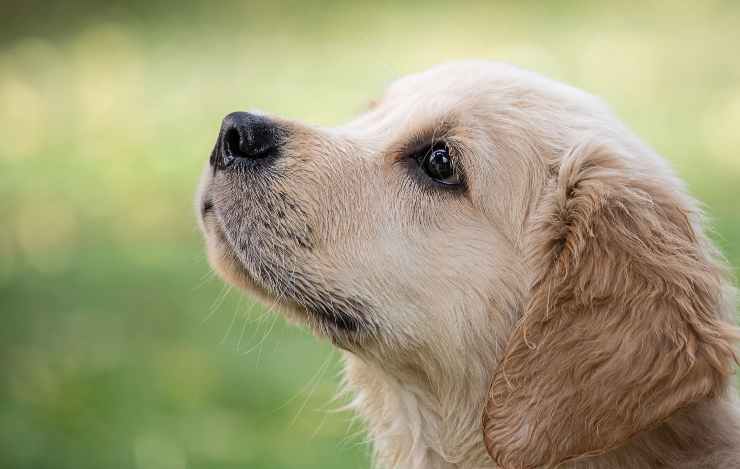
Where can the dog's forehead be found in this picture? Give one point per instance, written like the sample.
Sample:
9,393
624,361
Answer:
460,85
468,94
426,98
451,79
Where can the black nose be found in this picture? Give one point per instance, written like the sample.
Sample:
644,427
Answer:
246,137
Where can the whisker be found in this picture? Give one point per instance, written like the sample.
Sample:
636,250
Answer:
209,275
316,380
231,325
216,305
247,317
264,337
261,342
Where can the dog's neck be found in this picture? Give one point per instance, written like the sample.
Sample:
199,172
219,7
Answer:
412,422
413,425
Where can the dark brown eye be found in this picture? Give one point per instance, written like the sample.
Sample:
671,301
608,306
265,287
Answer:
438,166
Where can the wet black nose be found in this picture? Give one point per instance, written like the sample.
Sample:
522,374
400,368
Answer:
246,137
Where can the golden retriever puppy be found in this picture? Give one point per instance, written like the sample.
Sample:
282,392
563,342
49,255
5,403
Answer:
515,279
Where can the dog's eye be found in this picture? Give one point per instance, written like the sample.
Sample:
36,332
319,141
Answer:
438,165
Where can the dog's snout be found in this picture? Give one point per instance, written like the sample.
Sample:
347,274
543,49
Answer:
246,137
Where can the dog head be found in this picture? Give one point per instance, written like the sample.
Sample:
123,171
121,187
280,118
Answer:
483,218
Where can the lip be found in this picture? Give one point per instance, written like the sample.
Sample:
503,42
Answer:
322,318
343,319
206,207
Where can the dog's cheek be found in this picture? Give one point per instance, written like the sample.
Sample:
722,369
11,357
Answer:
443,289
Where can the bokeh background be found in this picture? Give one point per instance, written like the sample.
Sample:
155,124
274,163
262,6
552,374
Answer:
118,347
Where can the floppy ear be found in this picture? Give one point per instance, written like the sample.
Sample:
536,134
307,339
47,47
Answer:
623,326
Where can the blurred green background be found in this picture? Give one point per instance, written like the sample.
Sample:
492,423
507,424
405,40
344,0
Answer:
118,348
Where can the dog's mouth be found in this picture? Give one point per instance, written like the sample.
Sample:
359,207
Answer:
328,312
206,207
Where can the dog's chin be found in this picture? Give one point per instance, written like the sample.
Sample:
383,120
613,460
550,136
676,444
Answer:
343,331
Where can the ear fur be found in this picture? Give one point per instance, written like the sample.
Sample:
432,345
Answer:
623,327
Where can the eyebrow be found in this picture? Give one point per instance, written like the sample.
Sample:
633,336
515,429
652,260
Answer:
425,136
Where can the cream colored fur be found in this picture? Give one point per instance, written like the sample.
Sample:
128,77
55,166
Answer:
573,273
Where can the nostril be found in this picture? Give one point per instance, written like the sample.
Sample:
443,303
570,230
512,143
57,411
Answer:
246,137
231,146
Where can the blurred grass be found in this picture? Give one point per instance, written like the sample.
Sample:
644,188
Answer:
117,347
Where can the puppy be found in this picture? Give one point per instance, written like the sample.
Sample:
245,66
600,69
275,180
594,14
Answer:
516,280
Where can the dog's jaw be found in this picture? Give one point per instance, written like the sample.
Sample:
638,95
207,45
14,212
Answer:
345,321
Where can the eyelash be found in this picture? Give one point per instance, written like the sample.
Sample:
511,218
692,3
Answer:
414,155
423,150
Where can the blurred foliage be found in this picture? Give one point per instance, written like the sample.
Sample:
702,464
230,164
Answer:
118,348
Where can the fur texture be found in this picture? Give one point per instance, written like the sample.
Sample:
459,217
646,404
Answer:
564,294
